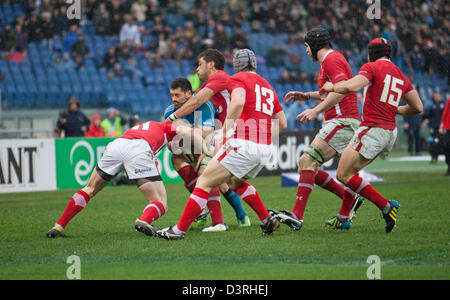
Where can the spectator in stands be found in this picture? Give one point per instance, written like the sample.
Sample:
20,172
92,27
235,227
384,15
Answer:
117,71
293,77
444,129
67,63
103,23
239,40
70,38
79,49
48,29
17,56
123,51
33,28
130,30
173,52
8,39
190,31
112,125
60,21
110,58
96,129
432,118
131,69
416,59
139,10
76,122
285,78
304,79
156,62
80,63
221,40
21,38
275,56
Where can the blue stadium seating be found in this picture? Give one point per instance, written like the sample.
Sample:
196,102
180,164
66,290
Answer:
35,83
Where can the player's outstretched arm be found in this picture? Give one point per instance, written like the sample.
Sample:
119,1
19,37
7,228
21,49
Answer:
293,96
310,115
347,86
413,105
192,104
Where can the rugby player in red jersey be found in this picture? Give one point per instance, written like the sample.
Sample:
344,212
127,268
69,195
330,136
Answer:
341,121
135,151
386,86
211,64
247,146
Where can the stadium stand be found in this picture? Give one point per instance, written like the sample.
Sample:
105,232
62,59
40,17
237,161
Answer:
42,71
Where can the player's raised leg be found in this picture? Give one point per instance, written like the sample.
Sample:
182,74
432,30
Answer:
79,200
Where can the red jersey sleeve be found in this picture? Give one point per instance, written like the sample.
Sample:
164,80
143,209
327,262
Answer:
336,70
366,71
234,83
218,82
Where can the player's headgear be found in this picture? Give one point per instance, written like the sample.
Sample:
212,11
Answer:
378,48
318,38
244,59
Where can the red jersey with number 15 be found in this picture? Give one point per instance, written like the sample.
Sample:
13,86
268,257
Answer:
382,97
261,103
335,68
156,134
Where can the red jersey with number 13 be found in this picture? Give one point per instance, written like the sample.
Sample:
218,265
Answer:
387,87
261,103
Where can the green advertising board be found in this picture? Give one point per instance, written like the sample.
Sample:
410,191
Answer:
77,158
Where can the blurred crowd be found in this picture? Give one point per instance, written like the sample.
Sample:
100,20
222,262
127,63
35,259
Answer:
419,30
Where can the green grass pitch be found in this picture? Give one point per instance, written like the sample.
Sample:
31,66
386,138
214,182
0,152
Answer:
103,235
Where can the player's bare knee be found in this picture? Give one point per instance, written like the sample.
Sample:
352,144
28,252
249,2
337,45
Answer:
306,163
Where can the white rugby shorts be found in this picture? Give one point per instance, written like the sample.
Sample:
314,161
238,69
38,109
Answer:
135,156
339,132
371,142
244,159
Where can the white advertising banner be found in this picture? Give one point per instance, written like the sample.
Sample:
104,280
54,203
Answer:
27,165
